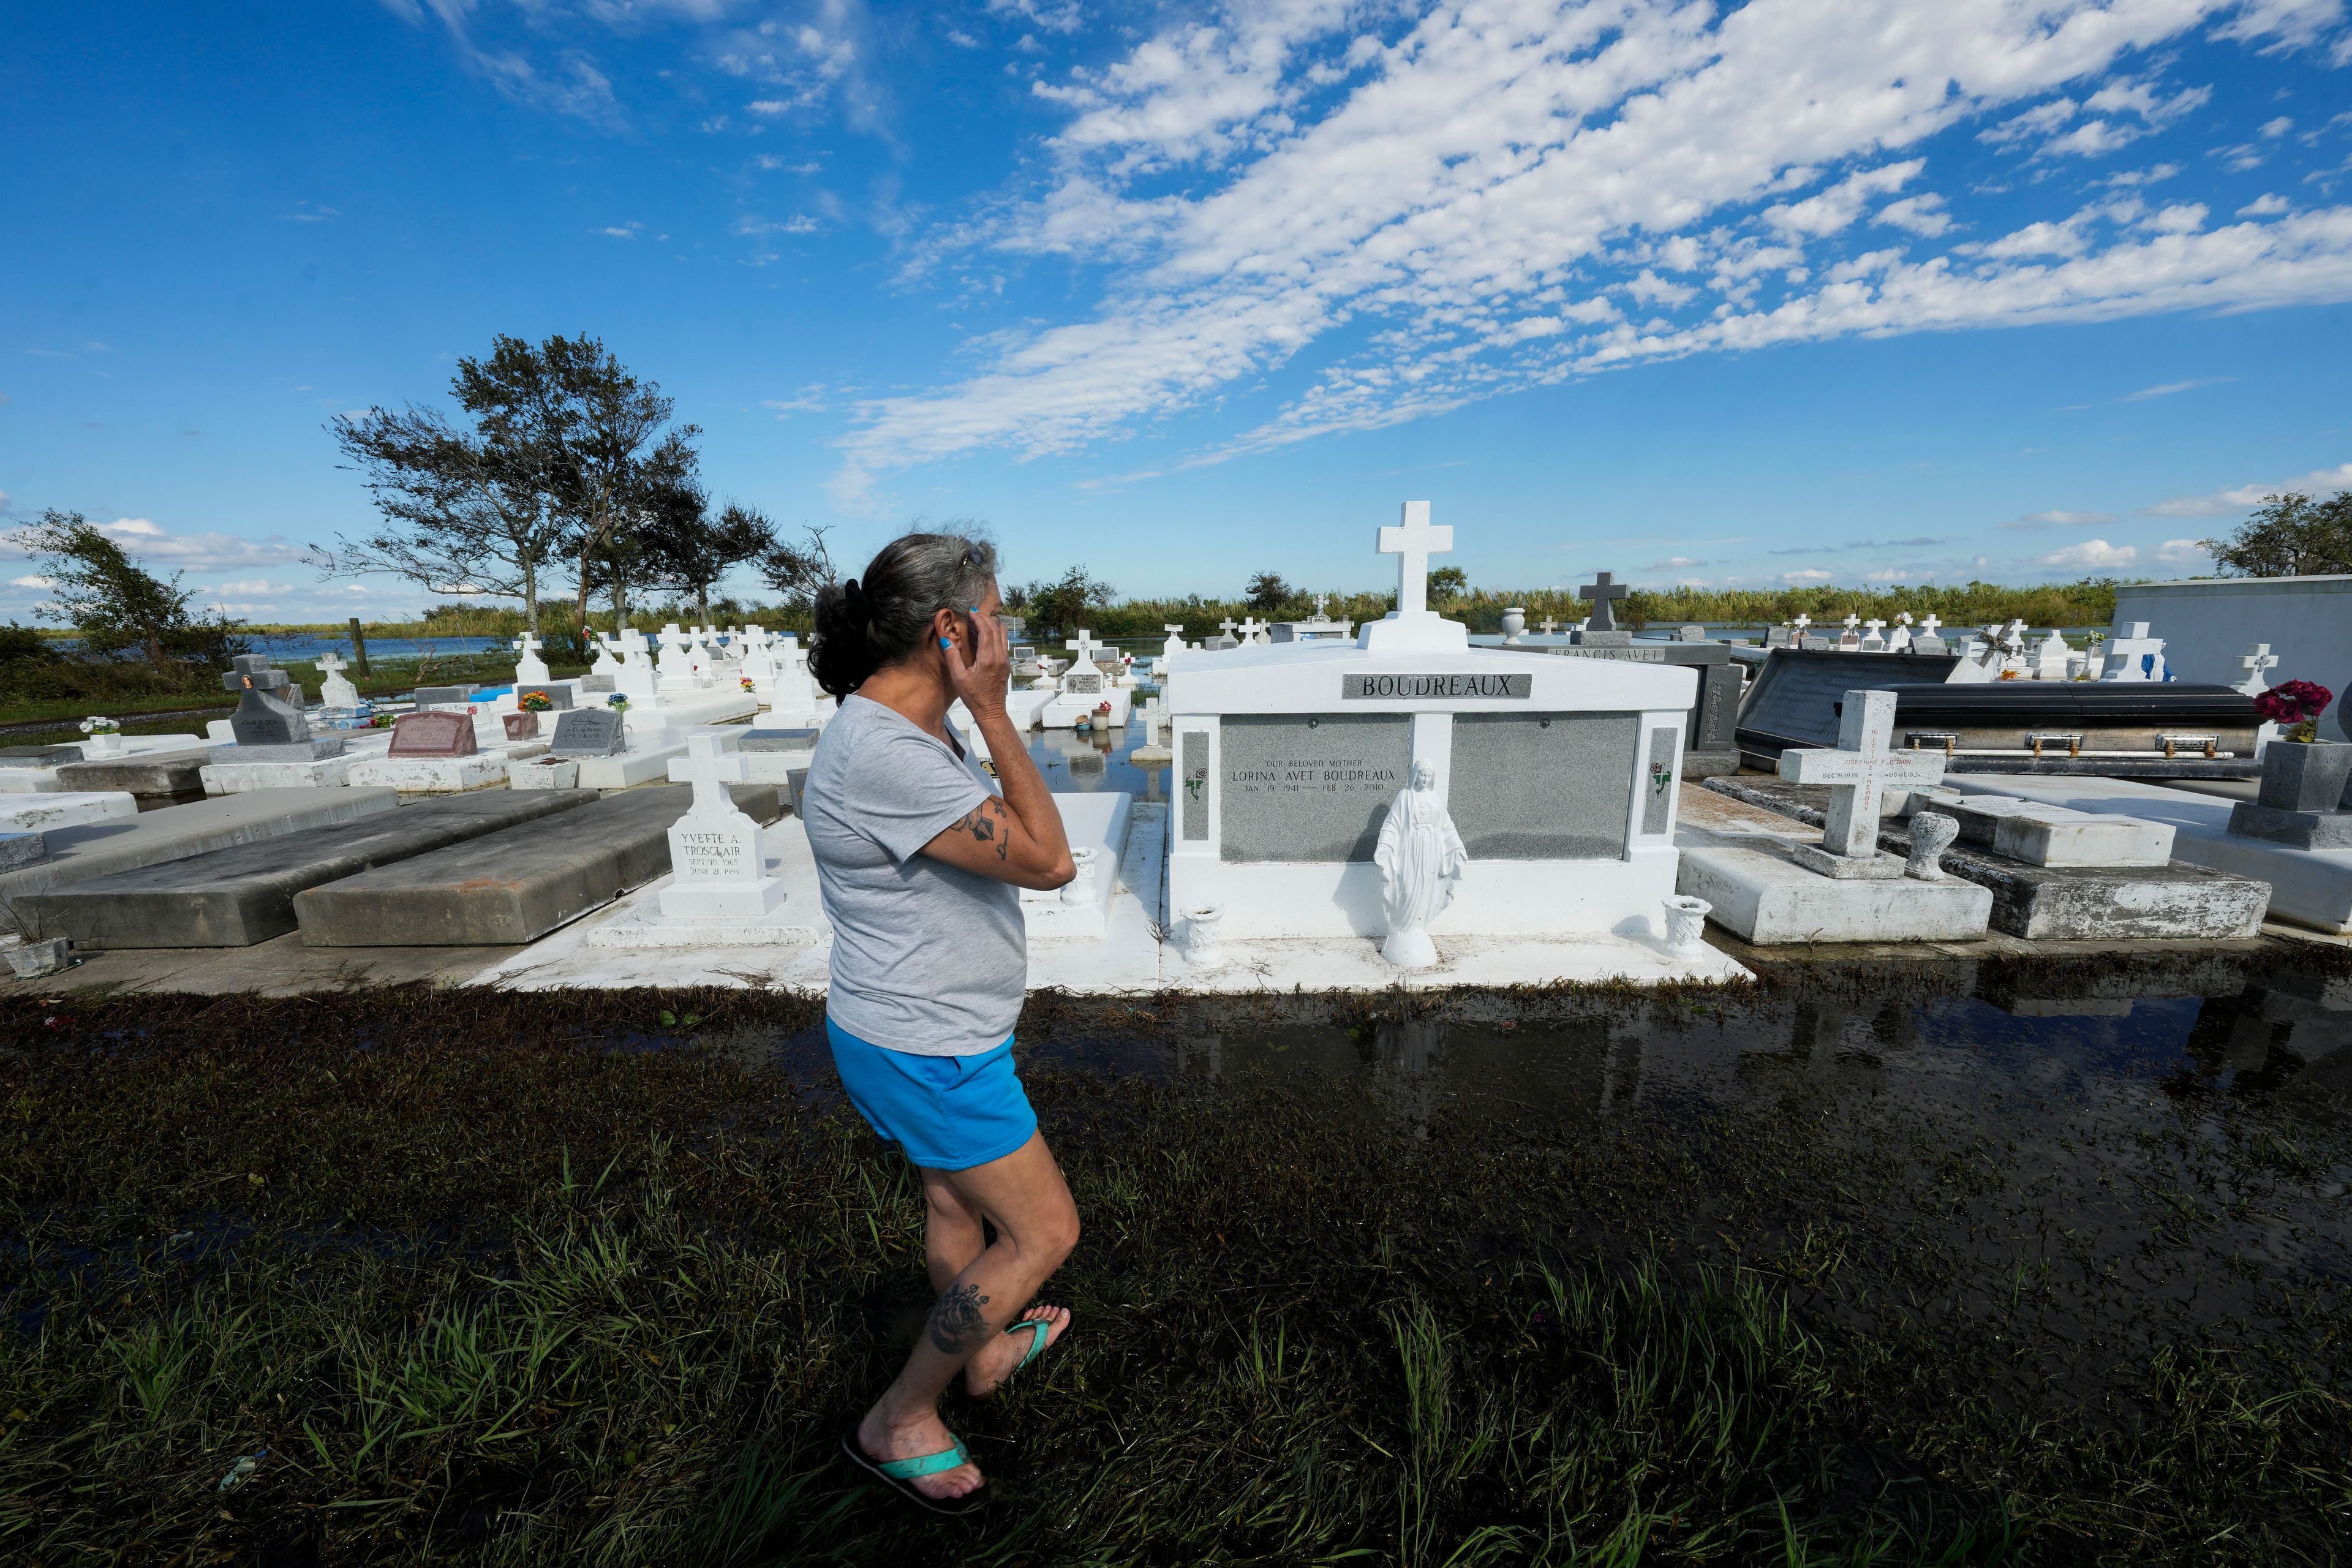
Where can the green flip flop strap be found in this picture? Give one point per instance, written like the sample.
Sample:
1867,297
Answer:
1036,1339
923,1464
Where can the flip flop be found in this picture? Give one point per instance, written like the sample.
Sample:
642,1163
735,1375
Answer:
1036,1341
899,1475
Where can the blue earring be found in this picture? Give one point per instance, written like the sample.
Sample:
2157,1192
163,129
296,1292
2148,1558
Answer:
947,642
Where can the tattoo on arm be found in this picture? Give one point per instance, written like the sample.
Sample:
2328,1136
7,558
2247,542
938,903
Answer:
984,827
956,1322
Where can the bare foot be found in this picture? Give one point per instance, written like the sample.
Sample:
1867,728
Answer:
925,1434
994,1362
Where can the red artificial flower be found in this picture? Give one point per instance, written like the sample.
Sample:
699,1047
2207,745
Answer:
2293,701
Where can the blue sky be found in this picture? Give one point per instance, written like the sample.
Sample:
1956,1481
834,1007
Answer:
1803,290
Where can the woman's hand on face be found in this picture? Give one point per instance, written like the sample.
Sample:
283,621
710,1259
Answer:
982,683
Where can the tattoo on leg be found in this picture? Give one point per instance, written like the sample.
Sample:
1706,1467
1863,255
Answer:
956,1321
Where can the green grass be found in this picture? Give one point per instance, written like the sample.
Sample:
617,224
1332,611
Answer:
386,678
474,1294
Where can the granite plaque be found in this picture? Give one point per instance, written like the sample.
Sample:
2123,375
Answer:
559,697
433,735
1195,747
755,741
1088,684
443,696
588,732
1658,783
1542,786
1463,683
520,726
1311,787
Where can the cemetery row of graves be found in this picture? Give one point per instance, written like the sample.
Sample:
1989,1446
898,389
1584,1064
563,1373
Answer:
1325,804
1869,1092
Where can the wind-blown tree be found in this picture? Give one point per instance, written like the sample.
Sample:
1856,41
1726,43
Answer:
1057,609
2289,535
1268,593
797,571
116,604
687,549
566,453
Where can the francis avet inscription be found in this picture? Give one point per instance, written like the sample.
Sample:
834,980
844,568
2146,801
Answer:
1394,687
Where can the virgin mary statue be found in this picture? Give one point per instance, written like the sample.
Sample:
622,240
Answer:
1421,858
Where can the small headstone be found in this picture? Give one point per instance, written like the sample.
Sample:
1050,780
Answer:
1778,636
589,732
597,683
1690,634
443,696
1601,627
268,705
334,690
558,697
433,735
520,726
1863,765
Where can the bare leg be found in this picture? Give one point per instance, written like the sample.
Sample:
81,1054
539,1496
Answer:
1024,1196
952,1237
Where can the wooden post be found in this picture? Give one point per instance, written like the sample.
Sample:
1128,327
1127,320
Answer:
359,647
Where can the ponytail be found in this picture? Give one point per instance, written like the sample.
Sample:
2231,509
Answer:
862,626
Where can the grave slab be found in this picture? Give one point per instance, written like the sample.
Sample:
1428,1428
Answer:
1763,896
237,778
2063,903
444,775
48,812
515,886
157,775
94,849
2310,887
21,849
245,894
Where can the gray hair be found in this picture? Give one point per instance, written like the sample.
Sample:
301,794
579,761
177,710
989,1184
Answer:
864,625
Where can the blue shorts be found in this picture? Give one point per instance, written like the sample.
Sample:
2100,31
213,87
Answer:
949,1114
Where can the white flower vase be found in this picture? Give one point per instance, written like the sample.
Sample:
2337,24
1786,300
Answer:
1515,622
1080,887
103,745
1686,925
1204,929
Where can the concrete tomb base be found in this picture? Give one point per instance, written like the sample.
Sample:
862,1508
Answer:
444,775
1767,898
157,775
239,896
41,777
2299,829
237,778
42,812
1098,824
512,887
21,849
101,848
2166,899
2310,887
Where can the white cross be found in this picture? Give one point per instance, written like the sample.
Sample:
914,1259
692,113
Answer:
528,644
1860,771
1927,626
1412,542
1251,629
1874,628
1801,623
1320,600
1083,646
1226,626
1601,590
1550,626
338,666
2130,650
1852,621
710,771
2257,659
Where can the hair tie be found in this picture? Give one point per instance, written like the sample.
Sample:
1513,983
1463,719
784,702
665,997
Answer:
852,599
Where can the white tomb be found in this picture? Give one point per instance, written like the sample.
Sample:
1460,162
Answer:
1558,774
529,670
2134,655
723,889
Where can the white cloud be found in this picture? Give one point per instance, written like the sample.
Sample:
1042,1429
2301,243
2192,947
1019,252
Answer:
2068,519
2275,129
2167,388
2245,498
158,548
1810,574
1673,563
1922,214
1066,17
2263,206
2092,554
256,585
1443,183
2180,551
32,582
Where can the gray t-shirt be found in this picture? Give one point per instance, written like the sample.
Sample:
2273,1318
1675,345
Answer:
926,958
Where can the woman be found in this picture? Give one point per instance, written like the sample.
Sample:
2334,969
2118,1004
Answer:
919,859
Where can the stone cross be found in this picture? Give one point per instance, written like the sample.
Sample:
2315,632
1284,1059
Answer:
1801,623
530,666
1227,625
2258,657
709,771
1602,590
1320,600
1863,768
1253,630
1412,542
1083,646
1550,626
1877,637
1927,626
2124,653
1852,620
